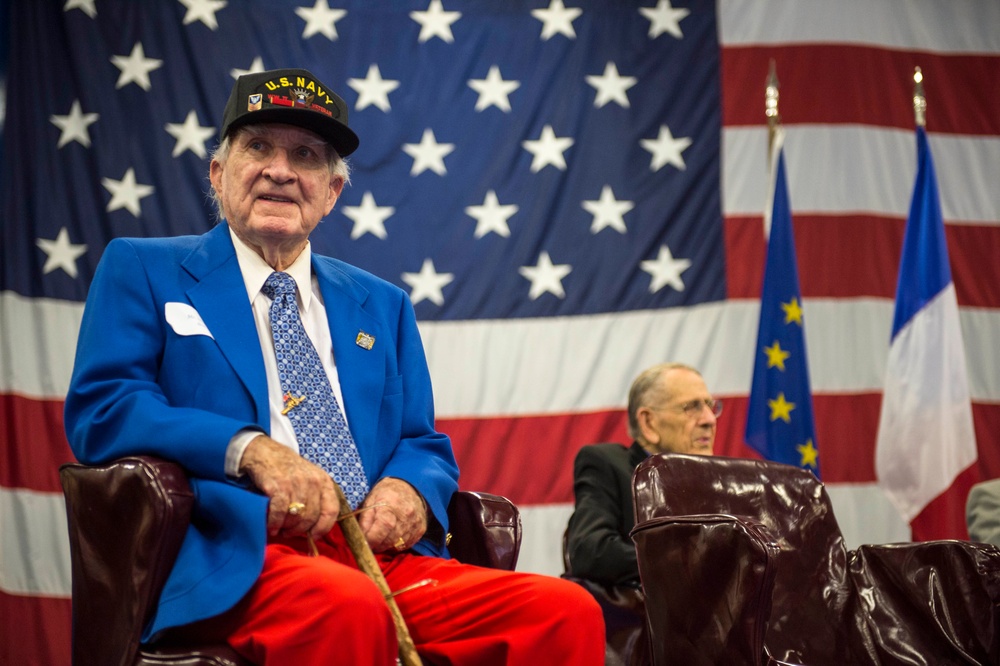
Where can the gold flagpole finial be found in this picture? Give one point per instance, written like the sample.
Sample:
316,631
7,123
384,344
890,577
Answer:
771,107
771,97
919,101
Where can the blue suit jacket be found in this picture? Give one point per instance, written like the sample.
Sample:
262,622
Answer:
140,387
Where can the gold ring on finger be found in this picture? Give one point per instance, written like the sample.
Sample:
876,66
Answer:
400,544
295,508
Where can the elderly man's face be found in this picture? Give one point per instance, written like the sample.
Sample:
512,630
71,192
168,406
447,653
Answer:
276,185
685,422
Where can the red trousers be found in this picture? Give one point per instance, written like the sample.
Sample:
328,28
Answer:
322,610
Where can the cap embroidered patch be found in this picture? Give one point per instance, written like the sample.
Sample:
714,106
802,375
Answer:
292,97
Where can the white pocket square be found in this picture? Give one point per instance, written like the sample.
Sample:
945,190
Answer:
185,320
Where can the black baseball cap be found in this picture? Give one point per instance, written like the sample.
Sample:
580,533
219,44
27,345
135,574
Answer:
290,96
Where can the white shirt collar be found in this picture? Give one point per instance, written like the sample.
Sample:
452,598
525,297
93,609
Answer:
256,271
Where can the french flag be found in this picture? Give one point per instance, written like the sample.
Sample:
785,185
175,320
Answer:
925,435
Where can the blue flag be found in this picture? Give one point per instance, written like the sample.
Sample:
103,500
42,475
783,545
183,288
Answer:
780,415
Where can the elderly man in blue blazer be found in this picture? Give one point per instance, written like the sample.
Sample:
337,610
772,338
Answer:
181,355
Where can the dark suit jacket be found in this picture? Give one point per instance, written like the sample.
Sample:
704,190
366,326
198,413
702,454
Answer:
598,545
982,512
169,363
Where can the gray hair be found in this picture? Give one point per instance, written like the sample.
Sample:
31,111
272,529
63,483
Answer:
338,166
649,389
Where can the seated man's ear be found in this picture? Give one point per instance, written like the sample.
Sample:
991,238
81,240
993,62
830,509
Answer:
646,420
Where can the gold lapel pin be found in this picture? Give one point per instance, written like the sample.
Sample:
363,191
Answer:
365,340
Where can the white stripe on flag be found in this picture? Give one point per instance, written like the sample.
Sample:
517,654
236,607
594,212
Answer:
922,25
842,169
926,436
34,552
718,337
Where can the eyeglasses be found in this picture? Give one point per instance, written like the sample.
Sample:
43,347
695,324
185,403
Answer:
694,408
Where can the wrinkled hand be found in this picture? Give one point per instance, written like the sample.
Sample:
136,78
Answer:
404,516
286,477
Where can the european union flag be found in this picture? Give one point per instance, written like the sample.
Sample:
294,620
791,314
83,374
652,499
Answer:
780,415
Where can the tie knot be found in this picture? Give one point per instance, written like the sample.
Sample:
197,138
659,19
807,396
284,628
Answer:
278,284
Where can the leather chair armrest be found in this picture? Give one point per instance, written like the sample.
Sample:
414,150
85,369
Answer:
126,522
708,581
947,594
199,655
485,530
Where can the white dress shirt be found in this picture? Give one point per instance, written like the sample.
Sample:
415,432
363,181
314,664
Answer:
313,313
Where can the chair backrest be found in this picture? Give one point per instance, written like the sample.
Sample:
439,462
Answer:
126,523
808,557
127,520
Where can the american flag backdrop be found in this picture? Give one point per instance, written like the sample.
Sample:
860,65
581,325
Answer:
569,190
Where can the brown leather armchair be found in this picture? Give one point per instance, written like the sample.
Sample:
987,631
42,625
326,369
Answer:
743,562
126,523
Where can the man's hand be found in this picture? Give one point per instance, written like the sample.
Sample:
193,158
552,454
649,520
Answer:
399,524
286,477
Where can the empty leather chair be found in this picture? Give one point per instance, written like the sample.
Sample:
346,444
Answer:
742,562
126,522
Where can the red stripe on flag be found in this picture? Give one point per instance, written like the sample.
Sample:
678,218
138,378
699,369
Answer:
528,459
944,516
865,251
34,443
847,84
861,253
973,251
745,253
986,419
39,630
845,427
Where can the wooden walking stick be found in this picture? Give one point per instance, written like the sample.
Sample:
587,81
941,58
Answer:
369,565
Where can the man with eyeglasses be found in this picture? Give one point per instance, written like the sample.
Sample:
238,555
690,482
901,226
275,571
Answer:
670,410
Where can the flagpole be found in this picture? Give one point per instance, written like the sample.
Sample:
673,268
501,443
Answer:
919,101
771,111
780,424
775,138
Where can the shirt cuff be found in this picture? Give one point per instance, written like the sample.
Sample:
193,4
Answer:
237,445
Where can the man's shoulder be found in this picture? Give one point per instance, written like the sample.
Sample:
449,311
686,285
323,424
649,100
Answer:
157,246
340,270
986,489
603,451
179,243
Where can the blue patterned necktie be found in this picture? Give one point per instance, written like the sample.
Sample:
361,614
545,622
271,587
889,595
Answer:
310,404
